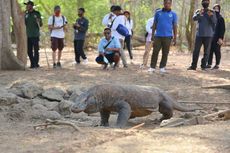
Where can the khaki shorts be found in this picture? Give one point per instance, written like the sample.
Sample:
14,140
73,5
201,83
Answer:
57,43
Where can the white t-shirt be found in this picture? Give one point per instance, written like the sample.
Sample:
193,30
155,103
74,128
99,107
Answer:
118,20
106,21
58,22
149,25
129,25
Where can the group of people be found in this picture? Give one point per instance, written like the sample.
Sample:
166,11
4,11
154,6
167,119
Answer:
161,33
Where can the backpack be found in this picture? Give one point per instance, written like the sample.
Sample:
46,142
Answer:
63,18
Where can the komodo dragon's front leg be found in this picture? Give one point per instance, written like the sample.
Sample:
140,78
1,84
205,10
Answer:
124,112
166,110
105,117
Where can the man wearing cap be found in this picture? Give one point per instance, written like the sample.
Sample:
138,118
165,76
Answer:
164,31
80,29
33,23
57,24
120,19
206,19
217,41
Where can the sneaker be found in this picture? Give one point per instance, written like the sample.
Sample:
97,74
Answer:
151,70
131,61
59,64
54,65
191,68
125,66
142,66
162,70
85,61
105,67
215,67
208,66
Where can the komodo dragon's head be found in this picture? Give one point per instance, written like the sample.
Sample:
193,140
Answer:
85,103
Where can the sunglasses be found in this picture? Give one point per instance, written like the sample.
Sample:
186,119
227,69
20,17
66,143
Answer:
107,33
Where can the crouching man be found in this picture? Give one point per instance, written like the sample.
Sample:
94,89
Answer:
109,50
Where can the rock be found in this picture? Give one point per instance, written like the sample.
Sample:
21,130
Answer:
64,107
53,94
50,105
173,122
74,89
195,121
7,99
18,112
38,101
26,89
39,107
43,115
74,92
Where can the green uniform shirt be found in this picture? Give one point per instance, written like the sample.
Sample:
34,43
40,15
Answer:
33,22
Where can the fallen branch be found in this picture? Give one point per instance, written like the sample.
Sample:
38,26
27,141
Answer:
222,86
201,102
57,122
137,126
224,115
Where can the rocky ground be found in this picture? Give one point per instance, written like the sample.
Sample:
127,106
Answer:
28,98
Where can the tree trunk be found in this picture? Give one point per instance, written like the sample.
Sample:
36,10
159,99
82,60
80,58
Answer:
8,61
20,31
190,27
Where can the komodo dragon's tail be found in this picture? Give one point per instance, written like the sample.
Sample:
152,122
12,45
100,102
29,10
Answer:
176,105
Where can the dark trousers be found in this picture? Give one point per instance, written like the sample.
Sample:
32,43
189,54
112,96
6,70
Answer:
215,48
206,41
128,44
79,51
164,44
33,51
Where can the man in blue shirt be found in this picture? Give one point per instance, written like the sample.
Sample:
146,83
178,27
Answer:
164,32
206,19
109,50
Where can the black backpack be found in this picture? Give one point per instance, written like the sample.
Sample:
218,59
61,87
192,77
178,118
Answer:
63,18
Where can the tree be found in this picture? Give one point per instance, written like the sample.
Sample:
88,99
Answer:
8,61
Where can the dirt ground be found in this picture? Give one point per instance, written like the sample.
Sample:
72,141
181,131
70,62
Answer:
20,137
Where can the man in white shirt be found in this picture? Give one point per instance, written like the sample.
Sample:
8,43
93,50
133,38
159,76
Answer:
120,19
108,19
57,24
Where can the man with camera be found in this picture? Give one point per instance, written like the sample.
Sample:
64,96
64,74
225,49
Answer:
207,20
109,50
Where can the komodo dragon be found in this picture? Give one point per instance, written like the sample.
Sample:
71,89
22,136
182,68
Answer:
127,101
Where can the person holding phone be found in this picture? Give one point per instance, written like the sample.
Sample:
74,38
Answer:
57,24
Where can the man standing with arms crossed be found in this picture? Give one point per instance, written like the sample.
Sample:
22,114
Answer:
164,32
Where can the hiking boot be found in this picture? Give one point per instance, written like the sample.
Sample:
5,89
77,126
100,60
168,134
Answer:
59,64
54,66
191,68
216,67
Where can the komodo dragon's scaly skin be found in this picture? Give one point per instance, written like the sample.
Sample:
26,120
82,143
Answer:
127,101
